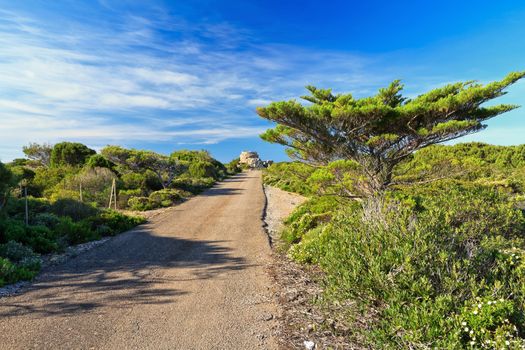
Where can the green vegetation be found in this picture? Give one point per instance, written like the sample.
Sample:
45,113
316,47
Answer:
378,133
69,186
426,261
433,260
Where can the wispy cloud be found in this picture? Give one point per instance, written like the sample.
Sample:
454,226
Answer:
154,77
98,82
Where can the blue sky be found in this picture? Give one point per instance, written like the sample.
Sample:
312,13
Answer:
167,75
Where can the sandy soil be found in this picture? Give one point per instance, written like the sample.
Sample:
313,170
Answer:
279,206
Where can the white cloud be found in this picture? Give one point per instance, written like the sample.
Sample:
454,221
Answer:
101,83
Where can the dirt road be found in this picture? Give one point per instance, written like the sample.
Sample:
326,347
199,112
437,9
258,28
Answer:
192,278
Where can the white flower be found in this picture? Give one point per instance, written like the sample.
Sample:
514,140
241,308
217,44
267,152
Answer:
489,302
471,331
472,342
466,329
475,312
507,342
479,306
463,323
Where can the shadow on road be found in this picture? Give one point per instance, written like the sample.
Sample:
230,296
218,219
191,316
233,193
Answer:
129,269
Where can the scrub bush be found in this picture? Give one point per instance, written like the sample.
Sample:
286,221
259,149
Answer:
417,272
72,208
75,232
164,198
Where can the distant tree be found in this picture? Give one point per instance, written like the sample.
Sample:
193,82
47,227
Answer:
380,131
39,153
165,168
99,161
70,153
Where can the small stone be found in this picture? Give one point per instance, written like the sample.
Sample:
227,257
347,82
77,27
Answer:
309,345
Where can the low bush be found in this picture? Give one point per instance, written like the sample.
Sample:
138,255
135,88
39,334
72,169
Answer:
10,273
194,186
313,212
291,177
448,274
116,221
22,256
164,198
139,203
46,219
75,232
72,208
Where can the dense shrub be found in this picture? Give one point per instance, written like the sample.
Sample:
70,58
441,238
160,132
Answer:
118,222
75,232
39,238
146,181
139,203
15,208
233,167
200,169
291,177
164,198
422,275
47,178
195,186
21,255
72,208
10,273
95,183
48,220
314,212
157,199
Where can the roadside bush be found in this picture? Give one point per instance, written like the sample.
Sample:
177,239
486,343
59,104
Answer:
423,276
291,177
12,230
75,232
111,222
119,222
39,238
46,219
16,252
200,169
10,273
164,198
125,195
310,214
139,203
195,186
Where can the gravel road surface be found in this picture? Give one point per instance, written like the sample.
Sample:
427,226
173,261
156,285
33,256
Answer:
192,278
